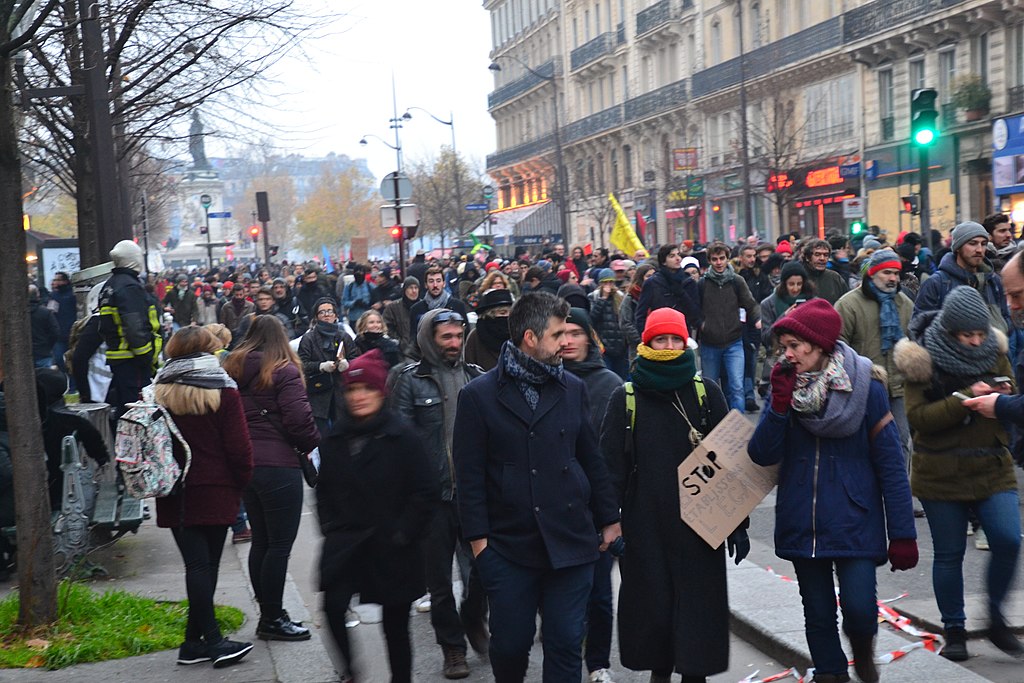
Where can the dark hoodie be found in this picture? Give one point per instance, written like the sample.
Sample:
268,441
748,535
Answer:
600,381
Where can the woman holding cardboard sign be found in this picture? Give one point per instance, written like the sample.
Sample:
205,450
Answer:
842,483
673,608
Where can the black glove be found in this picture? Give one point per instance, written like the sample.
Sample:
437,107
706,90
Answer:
617,547
738,544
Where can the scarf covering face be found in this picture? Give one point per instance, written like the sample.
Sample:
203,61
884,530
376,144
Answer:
955,358
493,332
812,388
664,369
889,317
201,370
329,330
723,278
844,410
529,374
441,301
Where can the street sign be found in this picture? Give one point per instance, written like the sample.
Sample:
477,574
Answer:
406,215
488,191
695,188
220,214
395,187
853,207
206,200
477,207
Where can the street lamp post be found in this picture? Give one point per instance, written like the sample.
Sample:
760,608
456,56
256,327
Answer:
561,183
457,175
206,200
744,139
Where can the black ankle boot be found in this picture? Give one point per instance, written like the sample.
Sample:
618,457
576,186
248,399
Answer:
281,629
864,658
955,648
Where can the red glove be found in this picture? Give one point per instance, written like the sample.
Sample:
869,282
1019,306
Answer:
902,554
783,380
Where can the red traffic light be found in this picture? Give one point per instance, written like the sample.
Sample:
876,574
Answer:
254,233
396,233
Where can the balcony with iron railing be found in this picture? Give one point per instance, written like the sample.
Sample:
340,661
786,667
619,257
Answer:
527,150
1015,99
882,15
593,124
593,49
659,14
668,97
528,81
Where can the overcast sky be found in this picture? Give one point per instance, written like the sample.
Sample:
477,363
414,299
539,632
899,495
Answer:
438,53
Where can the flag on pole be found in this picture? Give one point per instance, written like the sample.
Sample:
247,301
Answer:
641,227
623,236
478,245
328,266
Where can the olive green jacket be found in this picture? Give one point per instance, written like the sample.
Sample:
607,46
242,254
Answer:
958,454
862,330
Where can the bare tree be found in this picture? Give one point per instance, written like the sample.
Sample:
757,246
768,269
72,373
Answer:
37,583
442,186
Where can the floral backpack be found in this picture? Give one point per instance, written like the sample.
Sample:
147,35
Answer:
145,449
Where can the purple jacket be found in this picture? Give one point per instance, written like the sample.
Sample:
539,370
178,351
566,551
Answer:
287,400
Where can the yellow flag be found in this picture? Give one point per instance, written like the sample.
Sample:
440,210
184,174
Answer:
623,236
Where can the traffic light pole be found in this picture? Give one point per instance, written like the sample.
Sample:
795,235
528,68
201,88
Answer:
398,219
209,247
925,217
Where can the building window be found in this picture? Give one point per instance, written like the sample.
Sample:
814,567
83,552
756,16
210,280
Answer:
915,73
586,25
755,25
782,25
737,30
979,56
886,104
575,33
625,83
716,42
828,110
627,166
691,53
947,73
597,19
614,159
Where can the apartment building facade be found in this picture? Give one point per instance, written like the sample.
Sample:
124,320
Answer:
645,100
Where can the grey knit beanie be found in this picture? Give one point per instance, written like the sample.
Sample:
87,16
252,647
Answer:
964,233
881,259
964,311
871,243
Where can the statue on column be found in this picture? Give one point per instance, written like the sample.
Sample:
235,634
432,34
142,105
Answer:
197,145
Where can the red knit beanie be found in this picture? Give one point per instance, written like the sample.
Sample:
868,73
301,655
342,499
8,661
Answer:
665,321
784,247
370,369
814,321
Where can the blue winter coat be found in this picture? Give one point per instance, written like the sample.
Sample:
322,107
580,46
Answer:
836,497
533,483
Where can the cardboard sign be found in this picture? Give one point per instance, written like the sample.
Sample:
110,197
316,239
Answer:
719,484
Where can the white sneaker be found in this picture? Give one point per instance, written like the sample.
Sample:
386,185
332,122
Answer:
423,604
601,676
980,539
351,619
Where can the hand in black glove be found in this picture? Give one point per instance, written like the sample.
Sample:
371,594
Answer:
738,544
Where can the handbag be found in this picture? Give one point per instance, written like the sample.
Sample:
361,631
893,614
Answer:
309,470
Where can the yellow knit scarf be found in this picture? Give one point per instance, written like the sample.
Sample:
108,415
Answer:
658,355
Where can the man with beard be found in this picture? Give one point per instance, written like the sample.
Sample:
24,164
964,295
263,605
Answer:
1001,245
533,490
236,309
181,302
484,343
436,297
830,285
875,316
397,318
582,357
515,275
64,306
425,393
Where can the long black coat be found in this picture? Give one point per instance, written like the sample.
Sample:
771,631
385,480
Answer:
673,602
373,507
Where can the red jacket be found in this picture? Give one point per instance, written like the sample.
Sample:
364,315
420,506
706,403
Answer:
221,467
287,401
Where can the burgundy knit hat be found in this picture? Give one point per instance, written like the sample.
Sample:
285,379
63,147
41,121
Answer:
814,321
370,369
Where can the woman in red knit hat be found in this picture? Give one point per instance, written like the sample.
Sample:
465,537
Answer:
673,607
843,487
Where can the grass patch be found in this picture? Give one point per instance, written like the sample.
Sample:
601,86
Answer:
95,627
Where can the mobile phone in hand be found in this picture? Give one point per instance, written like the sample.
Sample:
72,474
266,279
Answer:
962,397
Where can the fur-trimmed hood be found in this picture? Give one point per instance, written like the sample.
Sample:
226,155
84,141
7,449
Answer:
914,361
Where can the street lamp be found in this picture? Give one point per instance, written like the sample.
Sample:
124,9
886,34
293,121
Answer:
561,182
457,176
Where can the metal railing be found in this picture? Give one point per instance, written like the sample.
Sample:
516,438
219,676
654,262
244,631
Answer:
593,124
592,49
525,83
882,15
527,150
668,97
654,16
1015,98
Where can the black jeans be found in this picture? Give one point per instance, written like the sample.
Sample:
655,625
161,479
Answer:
600,615
273,501
201,548
126,381
396,631
443,536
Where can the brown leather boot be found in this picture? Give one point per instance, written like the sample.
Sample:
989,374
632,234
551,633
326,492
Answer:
455,665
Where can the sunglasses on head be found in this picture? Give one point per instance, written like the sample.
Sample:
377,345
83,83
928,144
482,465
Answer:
448,317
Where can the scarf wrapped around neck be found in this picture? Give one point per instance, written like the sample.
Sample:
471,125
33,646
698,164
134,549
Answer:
723,278
812,388
201,370
889,317
440,301
663,370
843,410
958,359
528,373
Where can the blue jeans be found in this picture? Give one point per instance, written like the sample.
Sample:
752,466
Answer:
514,594
599,615
947,519
715,359
43,362
856,597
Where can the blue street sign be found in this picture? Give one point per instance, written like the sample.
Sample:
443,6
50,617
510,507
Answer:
475,207
220,214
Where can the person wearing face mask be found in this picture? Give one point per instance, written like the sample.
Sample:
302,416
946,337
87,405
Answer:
843,488
483,345
322,353
876,316
372,333
397,319
961,463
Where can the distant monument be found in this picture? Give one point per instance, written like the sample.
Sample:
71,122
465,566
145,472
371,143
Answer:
197,145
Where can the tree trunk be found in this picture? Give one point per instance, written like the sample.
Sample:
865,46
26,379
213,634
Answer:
37,584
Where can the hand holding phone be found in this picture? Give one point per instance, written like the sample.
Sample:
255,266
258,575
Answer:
962,397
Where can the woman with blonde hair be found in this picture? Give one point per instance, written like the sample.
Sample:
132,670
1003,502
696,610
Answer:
205,405
280,420
223,335
372,333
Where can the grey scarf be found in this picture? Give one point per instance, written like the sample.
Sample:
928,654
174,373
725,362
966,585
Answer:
441,301
955,358
844,411
201,370
723,278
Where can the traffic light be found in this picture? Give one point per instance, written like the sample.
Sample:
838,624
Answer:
910,204
274,248
254,233
857,227
396,234
410,232
923,117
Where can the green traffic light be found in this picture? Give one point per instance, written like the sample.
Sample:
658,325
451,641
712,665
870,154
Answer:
856,227
924,136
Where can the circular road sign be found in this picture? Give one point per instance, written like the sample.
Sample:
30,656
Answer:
205,200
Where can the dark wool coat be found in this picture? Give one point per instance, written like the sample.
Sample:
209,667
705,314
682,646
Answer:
662,291
673,602
476,351
373,508
221,467
314,349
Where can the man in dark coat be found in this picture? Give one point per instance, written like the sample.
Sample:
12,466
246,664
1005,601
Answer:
45,330
397,318
435,296
65,307
181,303
672,288
418,269
533,491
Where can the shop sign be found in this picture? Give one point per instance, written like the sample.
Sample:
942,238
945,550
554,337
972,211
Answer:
684,158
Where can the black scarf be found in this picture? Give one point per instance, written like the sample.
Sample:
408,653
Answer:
528,373
493,332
